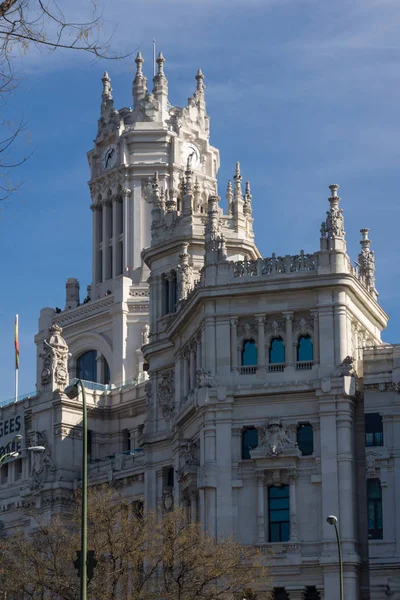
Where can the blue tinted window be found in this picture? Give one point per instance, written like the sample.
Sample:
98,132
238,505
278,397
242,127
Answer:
305,350
278,514
249,442
305,439
375,517
249,353
86,366
277,351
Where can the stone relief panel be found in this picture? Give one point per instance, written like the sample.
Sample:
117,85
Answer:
166,396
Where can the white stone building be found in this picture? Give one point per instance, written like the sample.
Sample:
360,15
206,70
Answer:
254,391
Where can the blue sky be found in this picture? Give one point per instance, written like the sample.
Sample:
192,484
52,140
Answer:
303,93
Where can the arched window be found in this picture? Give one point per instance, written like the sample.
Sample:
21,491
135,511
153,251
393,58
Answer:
249,353
305,352
305,439
276,351
86,366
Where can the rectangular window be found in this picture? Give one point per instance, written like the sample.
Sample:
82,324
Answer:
373,429
375,521
278,514
4,473
249,442
17,469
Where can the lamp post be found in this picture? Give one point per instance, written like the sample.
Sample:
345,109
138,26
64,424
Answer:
332,520
72,391
16,453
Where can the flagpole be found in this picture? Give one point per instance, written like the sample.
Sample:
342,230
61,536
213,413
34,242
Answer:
16,344
154,57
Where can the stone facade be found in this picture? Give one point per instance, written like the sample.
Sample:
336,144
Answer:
191,344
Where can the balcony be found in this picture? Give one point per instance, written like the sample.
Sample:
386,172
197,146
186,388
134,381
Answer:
276,368
248,370
304,365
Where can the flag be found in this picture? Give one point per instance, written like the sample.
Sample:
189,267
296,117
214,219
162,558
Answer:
16,343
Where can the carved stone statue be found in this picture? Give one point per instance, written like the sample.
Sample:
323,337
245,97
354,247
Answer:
184,274
145,334
188,454
166,396
55,360
42,463
204,379
273,437
346,367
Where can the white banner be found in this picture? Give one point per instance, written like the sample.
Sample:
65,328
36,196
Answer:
9,428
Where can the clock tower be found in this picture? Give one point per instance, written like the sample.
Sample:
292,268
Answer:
131,144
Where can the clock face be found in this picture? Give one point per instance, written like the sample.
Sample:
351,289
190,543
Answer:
191,155
109,158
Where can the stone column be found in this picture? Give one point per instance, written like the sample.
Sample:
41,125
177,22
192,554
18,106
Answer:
340,320
289,348
192,368
316,335
100,368
261,507
198,354
210,342
114,237
193,495
261,341
234,343
293,507
95,244
105,226
126,192
186,377
344,425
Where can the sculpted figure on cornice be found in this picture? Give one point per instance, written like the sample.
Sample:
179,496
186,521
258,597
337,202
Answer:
166,396
273,437
42,463
346,367
184,274
204,379
55,359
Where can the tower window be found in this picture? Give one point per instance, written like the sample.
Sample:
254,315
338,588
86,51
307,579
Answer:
86,368
276,351
249,353
373,429
126,440
375,520
278,514
305,351
305,439
249,441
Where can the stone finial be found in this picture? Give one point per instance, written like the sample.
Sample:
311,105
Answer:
160,64
197,195
72,293
140,81
139,60
334,198
229,196
200,81
247,200
238,197
366,261
172,202
334,220
107,89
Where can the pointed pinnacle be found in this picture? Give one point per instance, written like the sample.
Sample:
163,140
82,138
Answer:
237,171
248,193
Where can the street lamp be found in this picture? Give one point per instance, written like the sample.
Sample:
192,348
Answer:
14,454
332,520
72,391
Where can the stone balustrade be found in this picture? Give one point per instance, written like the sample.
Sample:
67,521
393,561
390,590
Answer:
276,265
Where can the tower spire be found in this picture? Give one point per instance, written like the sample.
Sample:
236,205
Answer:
160,86
106,96
139,89
366,260
199,93
247,200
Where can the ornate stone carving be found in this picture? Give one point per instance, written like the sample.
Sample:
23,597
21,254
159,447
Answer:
145,334
55,359
166,396
148,393
42,463
334,218
168,498
366,260
204,379
215,243
346,367
184,274
273,437
188,454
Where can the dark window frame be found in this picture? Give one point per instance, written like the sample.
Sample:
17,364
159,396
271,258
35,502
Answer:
299,349
280,339
300,427
373,429
375,533
245,343
282,523
246,448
